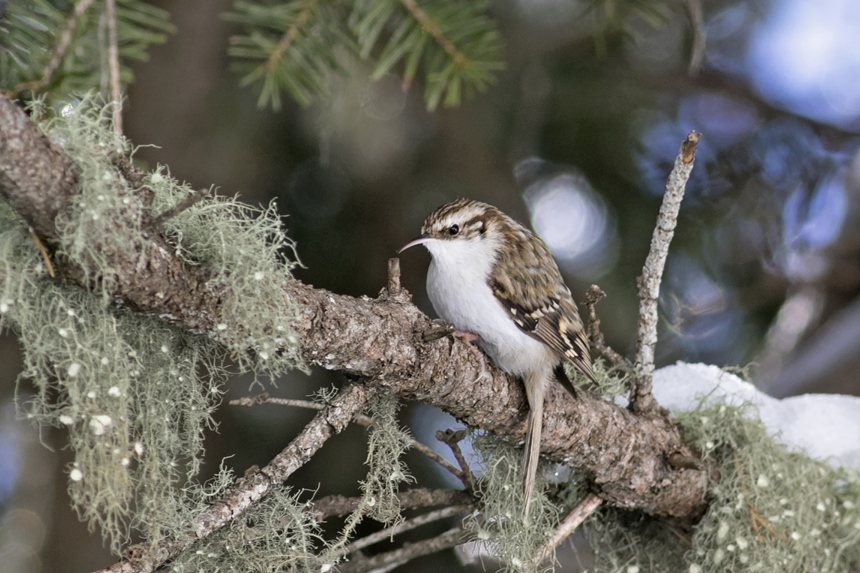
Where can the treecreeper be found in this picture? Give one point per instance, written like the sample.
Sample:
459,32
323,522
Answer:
496,281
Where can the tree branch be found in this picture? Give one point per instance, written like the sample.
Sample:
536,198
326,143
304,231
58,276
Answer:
409,551
379,341
57,53
574,519
254,485
113,67
641,400
358,419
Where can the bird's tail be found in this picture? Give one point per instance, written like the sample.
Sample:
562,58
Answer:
535,386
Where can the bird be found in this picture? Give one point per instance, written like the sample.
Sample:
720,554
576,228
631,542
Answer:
493,278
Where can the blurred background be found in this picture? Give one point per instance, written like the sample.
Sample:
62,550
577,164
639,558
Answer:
576,138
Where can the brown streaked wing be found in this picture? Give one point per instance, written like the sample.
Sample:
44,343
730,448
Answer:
521,280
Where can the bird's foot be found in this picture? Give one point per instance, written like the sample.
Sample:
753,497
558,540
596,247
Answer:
469,338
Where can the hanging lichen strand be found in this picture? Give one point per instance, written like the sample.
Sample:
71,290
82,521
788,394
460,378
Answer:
500,526
134,393
771,510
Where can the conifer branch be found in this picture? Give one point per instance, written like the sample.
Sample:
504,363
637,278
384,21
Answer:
65,38
402,527
254,486
568,525
290,35
419,497
429,26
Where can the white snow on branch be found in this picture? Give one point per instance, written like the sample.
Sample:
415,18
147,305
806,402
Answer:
825,426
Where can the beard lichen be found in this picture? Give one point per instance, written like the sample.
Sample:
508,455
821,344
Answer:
134,393
509,536
772,509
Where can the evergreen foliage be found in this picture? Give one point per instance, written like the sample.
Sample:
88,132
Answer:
59,47
299,46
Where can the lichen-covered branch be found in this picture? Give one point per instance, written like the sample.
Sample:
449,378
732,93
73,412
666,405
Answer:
378,340
254,485
641,400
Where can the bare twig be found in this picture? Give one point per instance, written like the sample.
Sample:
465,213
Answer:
255,485
264,398
594,295
113,66
46,259
574,519
183,205
453,439
57,53
338,505
402,527
683,461
409,551
697,23
358,419
394,276
641,400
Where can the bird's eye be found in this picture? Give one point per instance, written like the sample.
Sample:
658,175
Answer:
454,229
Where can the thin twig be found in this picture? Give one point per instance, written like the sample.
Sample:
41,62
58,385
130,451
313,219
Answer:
183,205
594,295
453,439
419,497
393,276
358,419
254,486
290,35
57,53
574,519
46,259
113,66
756,518
697,22
641,400
264,398
409,551
402,527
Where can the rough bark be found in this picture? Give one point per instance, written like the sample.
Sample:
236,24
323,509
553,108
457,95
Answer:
378,340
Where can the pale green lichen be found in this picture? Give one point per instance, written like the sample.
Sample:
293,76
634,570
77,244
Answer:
501,526
277,534
135,393
251,260
772,509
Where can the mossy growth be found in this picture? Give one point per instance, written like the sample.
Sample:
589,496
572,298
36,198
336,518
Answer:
772,509
135,393
281,533
277,534
511,537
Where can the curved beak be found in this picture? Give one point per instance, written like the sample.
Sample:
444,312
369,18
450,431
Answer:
417,241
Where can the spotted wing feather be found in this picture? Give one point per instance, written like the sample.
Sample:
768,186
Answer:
528,284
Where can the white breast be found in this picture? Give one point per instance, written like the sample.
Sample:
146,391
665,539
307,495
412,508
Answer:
457,287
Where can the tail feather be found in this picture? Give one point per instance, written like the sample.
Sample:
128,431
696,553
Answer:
535,385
